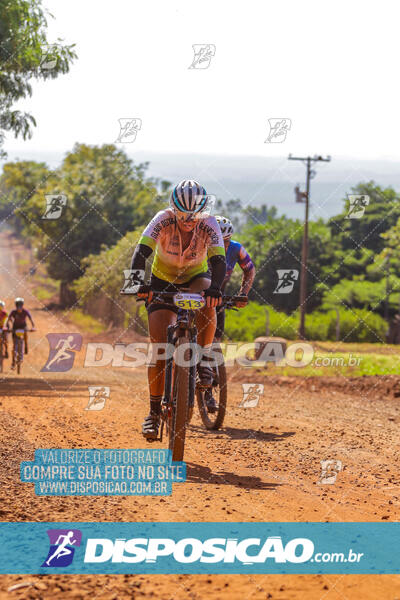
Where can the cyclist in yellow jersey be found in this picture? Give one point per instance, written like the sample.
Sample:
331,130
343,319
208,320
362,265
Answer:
184,236
3,320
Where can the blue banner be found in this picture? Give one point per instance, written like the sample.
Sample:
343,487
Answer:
100,472
231,548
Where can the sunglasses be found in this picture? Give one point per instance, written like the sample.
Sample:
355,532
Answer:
183,218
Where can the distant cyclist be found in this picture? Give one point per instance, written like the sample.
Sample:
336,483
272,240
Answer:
19,316
235,254
183,236
3,320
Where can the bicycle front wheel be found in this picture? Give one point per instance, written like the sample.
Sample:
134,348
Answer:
180,400
20,355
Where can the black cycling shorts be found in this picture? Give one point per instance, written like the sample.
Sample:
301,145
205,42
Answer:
160,285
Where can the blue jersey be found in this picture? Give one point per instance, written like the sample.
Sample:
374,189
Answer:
236,254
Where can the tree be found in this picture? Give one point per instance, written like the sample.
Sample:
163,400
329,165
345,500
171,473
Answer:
23,45
107,196
98,289
18,183
380,214
232,209
260,215
277,246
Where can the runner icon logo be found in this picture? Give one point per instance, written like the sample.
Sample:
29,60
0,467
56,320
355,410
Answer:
278,129
62,351
330,470
54,206
128,129
61,551
203,54
251,394
49,57
357,206
97,397
287,279
133,280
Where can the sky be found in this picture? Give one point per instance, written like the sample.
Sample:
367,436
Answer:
329,67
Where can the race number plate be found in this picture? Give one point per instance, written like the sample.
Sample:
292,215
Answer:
189,301
19,332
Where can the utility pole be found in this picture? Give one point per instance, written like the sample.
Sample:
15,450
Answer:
305,197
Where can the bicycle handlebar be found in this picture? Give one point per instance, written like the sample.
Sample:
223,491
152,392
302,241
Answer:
227,301
10,330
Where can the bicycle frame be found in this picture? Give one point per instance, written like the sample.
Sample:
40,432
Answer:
19,346
184,325
18,349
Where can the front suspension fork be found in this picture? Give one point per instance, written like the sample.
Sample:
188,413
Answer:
166,401
192,369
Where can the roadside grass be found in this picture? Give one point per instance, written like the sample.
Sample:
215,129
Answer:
353,360
85,322
21,262
44,287
42,294
48,281
367,348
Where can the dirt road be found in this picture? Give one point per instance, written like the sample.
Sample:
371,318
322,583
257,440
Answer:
264,465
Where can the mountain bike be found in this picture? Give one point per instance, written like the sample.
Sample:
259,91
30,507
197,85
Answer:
19,347
3,344
180,367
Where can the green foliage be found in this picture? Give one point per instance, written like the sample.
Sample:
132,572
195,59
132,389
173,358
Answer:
23,27
250,322
381,214
358,325
277,245
18,183
107,196
103,279
232,209
259,215
356,294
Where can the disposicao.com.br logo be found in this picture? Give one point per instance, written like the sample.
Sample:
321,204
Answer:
190,550
230,548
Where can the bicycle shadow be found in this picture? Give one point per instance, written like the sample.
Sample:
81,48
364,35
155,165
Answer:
244,434
23,386
201,474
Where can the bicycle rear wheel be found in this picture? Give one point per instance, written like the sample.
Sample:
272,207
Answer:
179,414
214,420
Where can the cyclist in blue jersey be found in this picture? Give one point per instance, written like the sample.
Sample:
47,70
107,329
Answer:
235,254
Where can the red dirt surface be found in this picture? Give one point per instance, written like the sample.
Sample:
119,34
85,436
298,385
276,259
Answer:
263,465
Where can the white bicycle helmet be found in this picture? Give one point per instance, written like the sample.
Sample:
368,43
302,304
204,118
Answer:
189,197
19,301
225,226
2,304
